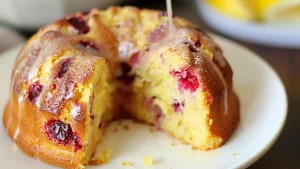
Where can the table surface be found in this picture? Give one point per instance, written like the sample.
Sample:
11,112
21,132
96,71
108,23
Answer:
285,154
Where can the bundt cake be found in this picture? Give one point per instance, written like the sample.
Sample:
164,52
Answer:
77,74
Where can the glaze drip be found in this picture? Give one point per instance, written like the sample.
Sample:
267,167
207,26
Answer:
170,16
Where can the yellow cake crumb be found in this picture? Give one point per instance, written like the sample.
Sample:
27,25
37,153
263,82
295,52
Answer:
148,161
102,158
126,163
234,154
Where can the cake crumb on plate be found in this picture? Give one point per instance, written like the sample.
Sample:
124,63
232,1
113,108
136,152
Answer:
148,161
126,127
126,163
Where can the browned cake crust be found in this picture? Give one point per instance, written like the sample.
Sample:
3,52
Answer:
49,151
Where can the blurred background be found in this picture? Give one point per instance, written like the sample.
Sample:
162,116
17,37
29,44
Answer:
270,28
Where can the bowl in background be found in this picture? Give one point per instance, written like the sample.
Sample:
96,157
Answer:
33,14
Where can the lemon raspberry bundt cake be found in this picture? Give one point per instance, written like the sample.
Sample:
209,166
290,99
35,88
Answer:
74,76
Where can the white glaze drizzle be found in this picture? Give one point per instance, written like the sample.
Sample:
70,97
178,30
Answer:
170,16
75,111
219,73
20,103
21,96
13,80
11,100
20,100
38,104
221,61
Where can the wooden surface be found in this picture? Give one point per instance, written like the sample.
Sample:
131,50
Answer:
285,154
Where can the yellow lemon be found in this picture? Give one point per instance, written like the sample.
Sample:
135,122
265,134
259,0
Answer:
235,8
275,10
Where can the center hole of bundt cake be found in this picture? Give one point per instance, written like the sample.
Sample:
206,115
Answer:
124,75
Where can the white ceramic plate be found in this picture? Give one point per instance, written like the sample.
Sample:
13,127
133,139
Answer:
276,35
263,112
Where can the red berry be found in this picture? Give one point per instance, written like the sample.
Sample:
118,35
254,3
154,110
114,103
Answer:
178,106
191,47
158,116
198,44
92,116
88,44
186,79
79,24
62,133
76,143
149,102
135,57
34,91
64,68
156,110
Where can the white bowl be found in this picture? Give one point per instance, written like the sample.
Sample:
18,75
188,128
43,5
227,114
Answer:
275,35
32,14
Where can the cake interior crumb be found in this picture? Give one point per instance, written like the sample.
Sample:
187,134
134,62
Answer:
102,158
